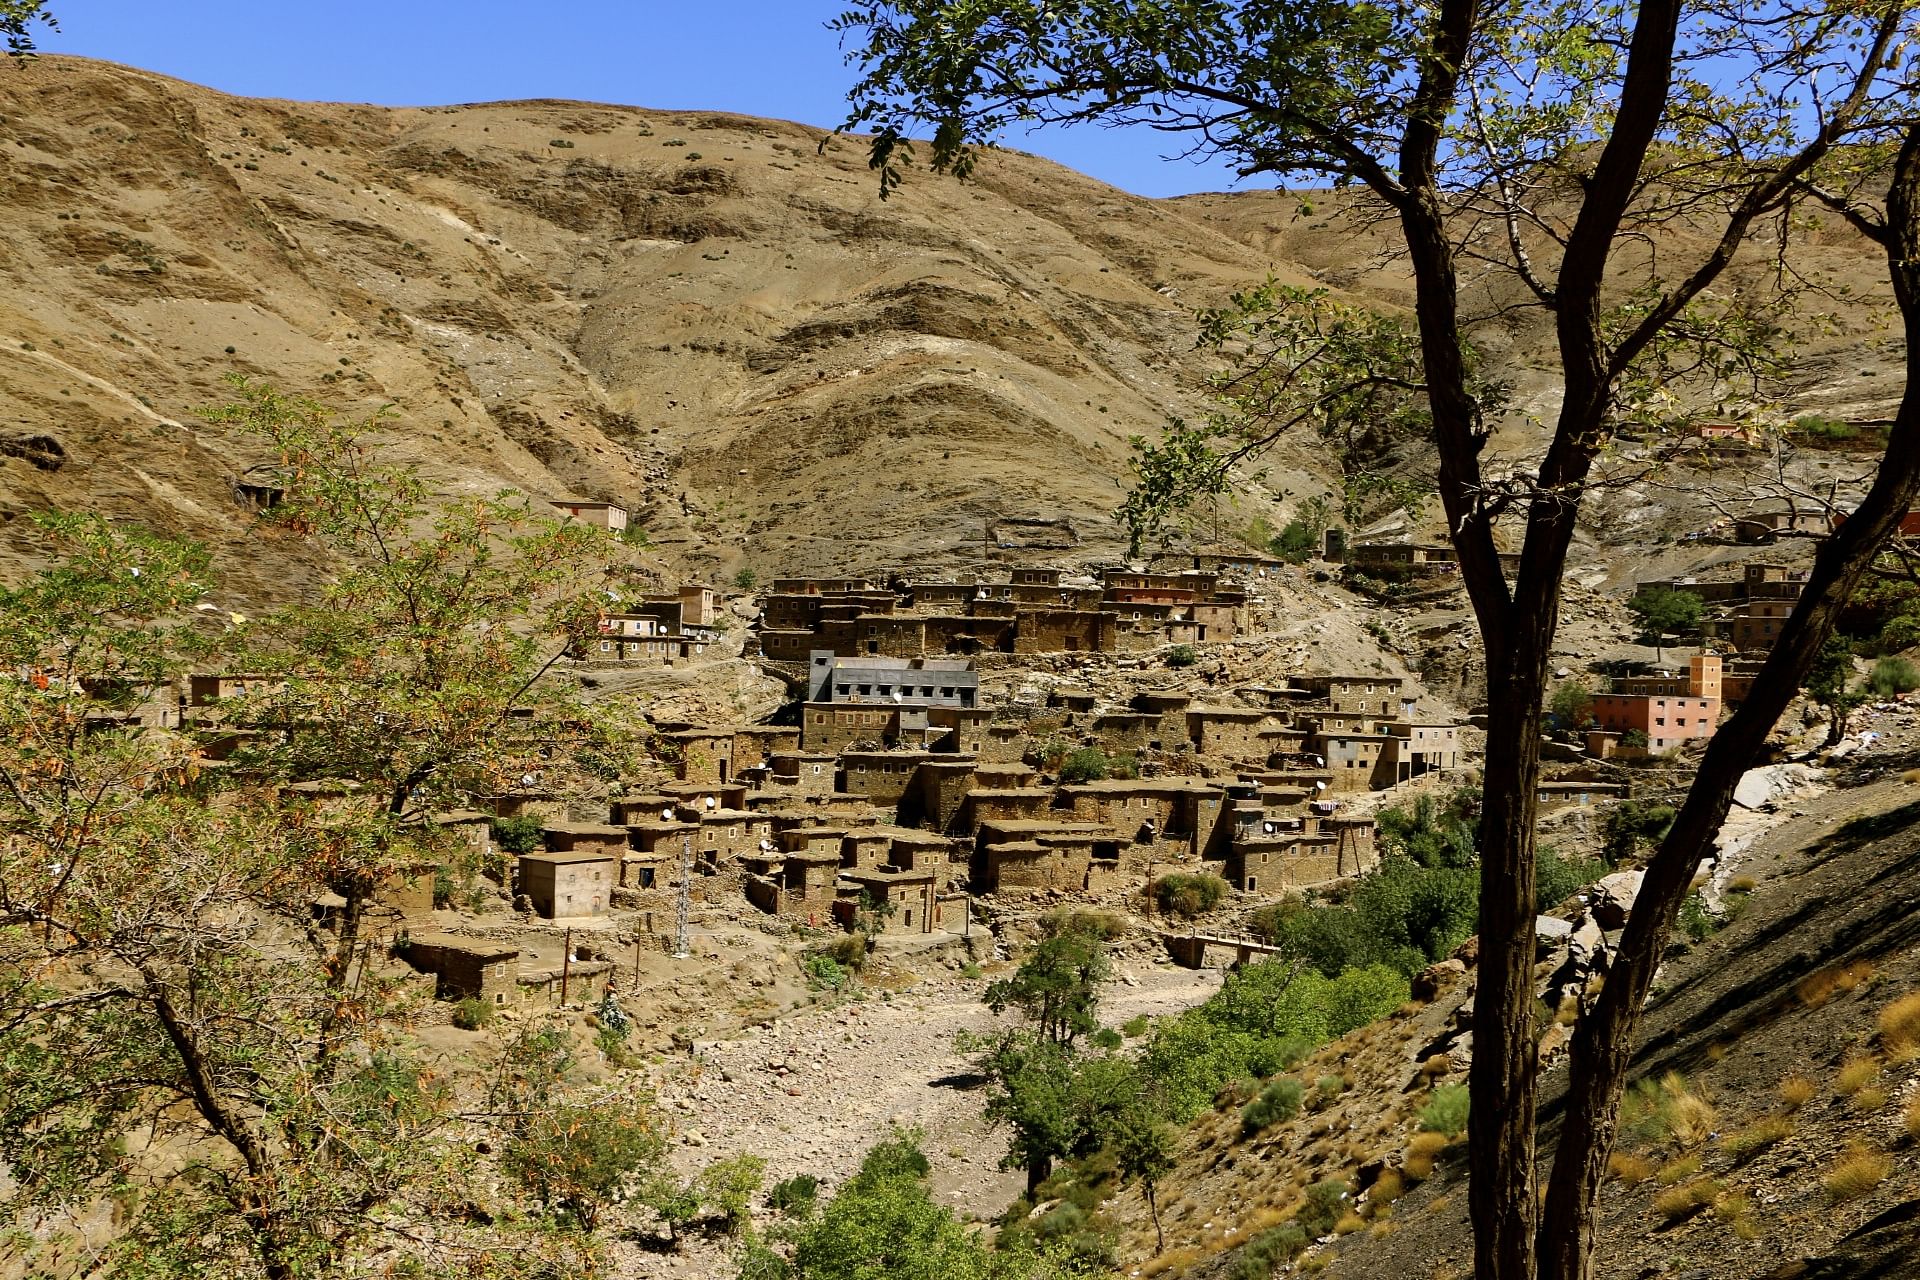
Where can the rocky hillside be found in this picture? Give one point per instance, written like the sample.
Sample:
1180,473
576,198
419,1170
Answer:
705,316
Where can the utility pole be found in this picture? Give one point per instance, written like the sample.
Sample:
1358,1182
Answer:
566,964
681,949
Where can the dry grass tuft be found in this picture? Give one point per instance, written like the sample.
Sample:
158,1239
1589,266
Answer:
1382,1229
1386,1188
1668,1109
1177,1262
1856,1173
1913,1119
1438,1065
1900,1023
1855,1075
1677,1202
1742,884
1631,1170
1798,1091
1676,1171
1746,1143
1868,1100
1349,1223
1569,1011
1816,988
1850,978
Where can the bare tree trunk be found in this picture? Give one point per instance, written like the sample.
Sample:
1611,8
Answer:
1603,1039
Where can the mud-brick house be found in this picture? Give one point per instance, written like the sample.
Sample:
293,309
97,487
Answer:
464,968
910,895
725,834
805,886
939,790
865,848
701,755
807,772
1177,817
925,851
656,806
585,837
528,802
959,730
1356,761
883,777
994,804
1038,856
1066,630
1281,863
1127,731
562,884
1229,733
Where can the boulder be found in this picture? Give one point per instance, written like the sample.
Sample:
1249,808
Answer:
1435,978
1613,898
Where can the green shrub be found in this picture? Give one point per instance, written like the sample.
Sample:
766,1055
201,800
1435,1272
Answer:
1893,675
1326,1201
1084,764
1268,1251
824,973
1278,1102
1445,1112
1188,896
472,1014
1135,1026
519,834
1556,878
1695,920
1182,655
795,1196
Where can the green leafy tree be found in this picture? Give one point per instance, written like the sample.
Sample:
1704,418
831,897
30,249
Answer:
1664,612
1144,1145
17,21
1572,704
1295,543
884,1225
578,1158
1447,121
1830,682
1057,987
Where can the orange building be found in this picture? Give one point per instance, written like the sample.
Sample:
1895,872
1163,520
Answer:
1669,710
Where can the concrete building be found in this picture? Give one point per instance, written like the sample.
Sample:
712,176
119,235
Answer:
1668,709
601,515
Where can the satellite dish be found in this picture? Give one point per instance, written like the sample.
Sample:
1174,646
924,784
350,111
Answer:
1267,827
1319,786
712,804
666,815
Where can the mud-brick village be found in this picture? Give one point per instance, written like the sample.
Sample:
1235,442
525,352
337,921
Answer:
1186,640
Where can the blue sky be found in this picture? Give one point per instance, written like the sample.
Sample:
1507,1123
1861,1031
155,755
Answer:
761,57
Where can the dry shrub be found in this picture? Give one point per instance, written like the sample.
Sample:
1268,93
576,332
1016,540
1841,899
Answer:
1630,1169
1438,1065
1856,1173
1798,1091
1386,1188
1677,1202
1569,1011
1678,1171
1900,1023
1816,988
1850,978
1854,1075
1179,1262
1665,1110
1756,1137
1416,1167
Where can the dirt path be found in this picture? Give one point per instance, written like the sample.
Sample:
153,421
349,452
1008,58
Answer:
812,1093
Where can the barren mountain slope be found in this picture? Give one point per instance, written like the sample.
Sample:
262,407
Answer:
701,315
